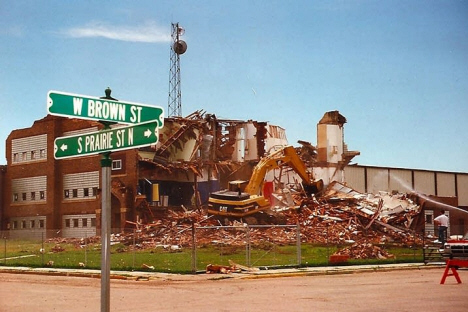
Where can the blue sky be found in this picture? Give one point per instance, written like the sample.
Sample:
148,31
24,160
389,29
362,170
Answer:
397,70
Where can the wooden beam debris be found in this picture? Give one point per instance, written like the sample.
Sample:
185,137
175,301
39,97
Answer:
349,219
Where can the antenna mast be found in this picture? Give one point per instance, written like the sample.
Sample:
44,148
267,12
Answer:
178,47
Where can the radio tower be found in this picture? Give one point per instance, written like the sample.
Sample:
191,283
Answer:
178,47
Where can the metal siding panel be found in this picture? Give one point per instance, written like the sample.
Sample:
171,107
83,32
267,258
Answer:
400,180
445,184
355,178
29,144
377,180
28,185
462,184
80,180
424,182
80,231
80,131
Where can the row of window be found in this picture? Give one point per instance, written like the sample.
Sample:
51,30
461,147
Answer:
41,154
33,196
30,224
32,155
70,193
75,222
87,192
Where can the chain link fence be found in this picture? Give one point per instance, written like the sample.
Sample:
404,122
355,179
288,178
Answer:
192,248
249,246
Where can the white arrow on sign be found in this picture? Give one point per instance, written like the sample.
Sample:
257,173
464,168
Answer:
64,147
147,133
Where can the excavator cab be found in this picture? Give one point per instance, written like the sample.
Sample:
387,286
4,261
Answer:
237,185
235,192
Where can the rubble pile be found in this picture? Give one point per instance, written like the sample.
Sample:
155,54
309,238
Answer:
340,216
76,242
364,250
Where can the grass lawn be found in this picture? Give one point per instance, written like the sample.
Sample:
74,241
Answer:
123,257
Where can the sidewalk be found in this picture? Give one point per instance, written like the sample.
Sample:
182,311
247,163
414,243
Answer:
290,272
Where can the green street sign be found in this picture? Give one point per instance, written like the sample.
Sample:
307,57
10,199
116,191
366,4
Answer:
94,108
108,140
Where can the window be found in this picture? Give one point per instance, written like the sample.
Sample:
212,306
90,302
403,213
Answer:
15,197
33,154
85,222
15,157
42,194
75,223
67,194
93,221
25,156
33,195
23,224
42,153
32,224
67,223
23,196
41,224
15,225
75,193
94,191
429,219
117,164
86,192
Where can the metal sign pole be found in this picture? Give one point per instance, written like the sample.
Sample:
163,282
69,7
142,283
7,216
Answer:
106,163
146,120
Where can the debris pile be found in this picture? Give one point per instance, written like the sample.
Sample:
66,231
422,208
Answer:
364,250
340,216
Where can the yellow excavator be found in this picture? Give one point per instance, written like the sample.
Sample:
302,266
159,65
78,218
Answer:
234,203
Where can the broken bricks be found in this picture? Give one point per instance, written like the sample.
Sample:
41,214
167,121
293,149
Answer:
340,216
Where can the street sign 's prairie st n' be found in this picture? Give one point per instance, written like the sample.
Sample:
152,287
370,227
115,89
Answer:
110,140
94,108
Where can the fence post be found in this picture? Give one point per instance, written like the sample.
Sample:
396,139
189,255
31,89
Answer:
4,258
86,249
194,250
43,250
328,250
247,247
134,247
298,243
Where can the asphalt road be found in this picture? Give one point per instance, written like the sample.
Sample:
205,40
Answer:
396,290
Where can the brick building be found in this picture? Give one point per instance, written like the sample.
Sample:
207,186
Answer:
62,196
195,155
43,196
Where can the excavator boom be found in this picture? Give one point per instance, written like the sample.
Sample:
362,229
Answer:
284,156
237,204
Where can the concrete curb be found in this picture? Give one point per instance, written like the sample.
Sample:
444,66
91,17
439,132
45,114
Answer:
275,273
336,270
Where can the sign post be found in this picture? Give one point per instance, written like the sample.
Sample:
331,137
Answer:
145,122
106,163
